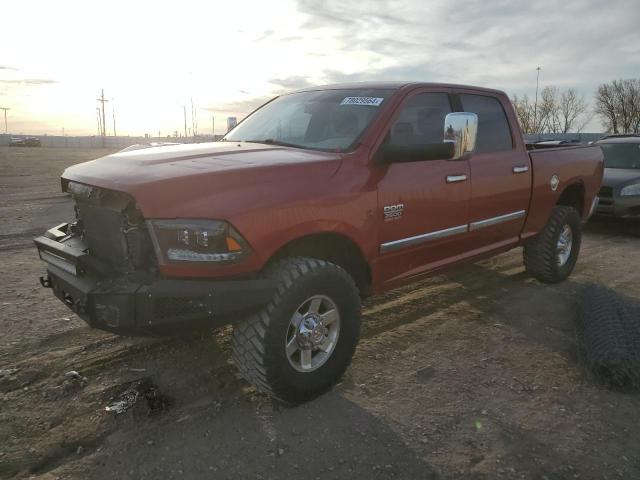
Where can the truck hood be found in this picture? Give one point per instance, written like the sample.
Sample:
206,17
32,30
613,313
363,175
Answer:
204,180
614,177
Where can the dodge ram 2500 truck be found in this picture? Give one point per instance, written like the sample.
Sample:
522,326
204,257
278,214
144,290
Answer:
317,199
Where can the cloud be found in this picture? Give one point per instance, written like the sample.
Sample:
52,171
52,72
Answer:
292,38
264,35
495,43
245,106
334,13
291,83
6,67
28,81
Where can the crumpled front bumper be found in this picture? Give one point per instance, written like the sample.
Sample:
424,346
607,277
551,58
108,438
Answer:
140,303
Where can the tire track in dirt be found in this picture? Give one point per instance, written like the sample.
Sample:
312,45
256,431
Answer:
411,303
106,362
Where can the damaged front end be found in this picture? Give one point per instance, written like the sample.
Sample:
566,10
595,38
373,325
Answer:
104,267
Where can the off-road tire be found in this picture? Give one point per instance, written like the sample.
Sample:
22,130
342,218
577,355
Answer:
608,327
540,252
259,340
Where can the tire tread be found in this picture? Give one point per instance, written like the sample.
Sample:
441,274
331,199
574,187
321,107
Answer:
539,253
249,339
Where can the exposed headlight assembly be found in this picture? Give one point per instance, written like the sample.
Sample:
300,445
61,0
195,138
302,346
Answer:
630,190
212,241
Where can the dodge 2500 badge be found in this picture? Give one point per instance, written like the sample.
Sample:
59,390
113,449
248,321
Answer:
317,199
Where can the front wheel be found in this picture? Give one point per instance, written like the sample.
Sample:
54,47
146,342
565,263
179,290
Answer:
552,254
301,343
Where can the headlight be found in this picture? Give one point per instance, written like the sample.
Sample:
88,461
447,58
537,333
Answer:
196,241
630,190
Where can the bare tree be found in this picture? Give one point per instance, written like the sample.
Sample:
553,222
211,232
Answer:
618,105
572,111
548,120
525,112
556,112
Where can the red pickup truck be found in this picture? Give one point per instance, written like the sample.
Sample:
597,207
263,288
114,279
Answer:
317,199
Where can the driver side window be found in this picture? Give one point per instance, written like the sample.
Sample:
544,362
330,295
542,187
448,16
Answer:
421,120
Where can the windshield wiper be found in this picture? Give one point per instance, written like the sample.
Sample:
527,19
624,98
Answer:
271,141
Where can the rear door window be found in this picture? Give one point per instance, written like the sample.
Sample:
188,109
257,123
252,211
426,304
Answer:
494,134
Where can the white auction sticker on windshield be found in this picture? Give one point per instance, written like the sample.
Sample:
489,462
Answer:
370,101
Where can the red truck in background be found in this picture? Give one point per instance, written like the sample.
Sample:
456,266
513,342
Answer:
318,198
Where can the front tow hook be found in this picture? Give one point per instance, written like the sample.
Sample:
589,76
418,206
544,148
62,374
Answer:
45,282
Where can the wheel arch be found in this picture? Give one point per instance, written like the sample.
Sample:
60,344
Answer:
573,196
332,247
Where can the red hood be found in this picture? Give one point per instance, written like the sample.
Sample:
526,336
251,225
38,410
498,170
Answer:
205,180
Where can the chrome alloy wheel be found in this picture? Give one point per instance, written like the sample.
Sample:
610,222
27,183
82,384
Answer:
563,247
313,333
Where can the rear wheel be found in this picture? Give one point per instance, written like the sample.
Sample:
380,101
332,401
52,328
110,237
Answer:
301,343
552,254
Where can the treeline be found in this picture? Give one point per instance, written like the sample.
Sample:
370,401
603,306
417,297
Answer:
617,104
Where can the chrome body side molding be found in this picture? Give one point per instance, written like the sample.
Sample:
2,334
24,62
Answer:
447,232
495,220
425,237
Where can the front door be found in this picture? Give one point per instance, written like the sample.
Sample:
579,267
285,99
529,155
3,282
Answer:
423,206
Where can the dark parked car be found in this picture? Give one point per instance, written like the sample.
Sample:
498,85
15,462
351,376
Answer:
32,142
620,192
25,142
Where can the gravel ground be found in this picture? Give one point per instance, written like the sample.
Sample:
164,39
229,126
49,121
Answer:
470,375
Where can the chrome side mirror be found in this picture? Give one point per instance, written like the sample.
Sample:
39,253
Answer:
461,129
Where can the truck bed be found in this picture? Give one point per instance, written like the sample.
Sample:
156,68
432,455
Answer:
580,166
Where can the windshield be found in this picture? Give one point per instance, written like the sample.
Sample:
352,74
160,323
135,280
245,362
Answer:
621,155
330,120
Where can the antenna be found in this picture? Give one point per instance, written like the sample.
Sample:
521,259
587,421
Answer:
6,130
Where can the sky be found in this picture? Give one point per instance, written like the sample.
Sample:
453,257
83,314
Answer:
153,58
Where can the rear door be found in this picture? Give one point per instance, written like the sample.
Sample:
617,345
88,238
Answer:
423,206
500,174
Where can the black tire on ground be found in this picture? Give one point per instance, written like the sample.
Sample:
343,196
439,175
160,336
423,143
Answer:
540,253
608,326
259,341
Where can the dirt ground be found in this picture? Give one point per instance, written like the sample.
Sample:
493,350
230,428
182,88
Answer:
470,375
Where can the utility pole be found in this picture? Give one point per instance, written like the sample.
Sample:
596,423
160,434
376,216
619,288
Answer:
213,128
193,119
184,110
113,112
6,129
535,105
104,121
99,121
